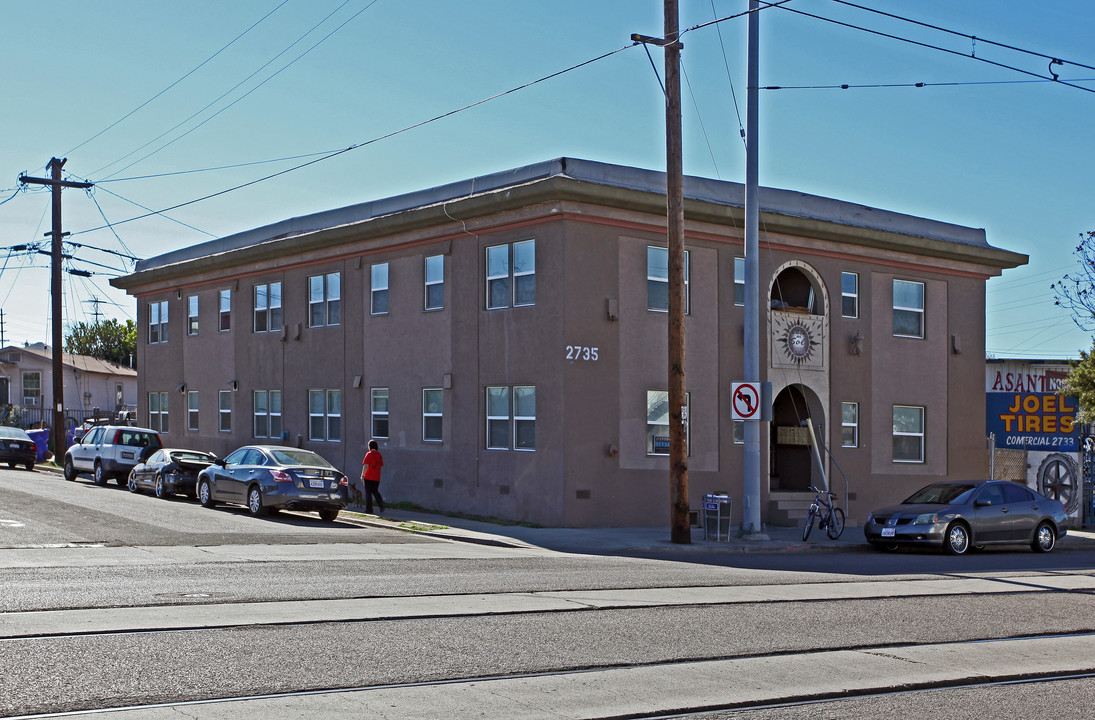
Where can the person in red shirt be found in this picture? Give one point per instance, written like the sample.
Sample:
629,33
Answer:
370,476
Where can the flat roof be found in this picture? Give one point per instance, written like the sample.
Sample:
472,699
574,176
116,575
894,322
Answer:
787,203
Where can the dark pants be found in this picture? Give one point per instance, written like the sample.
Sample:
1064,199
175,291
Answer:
372,489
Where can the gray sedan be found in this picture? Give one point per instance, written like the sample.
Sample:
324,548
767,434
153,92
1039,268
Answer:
269,477
959,515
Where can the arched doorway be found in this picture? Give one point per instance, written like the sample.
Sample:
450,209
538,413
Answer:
793,464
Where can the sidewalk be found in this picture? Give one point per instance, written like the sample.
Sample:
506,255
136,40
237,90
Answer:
608,541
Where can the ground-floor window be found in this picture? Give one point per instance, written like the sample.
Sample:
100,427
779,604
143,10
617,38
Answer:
192,410
657,422
157,411
511,417
380,412
325,415
849,424
908,434
432,403
224,409
267,413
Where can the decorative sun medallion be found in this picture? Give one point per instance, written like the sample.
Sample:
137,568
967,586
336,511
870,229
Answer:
798,342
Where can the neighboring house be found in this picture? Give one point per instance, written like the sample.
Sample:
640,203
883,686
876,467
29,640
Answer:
505,339
90,385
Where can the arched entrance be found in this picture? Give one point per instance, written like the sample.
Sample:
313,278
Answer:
793,465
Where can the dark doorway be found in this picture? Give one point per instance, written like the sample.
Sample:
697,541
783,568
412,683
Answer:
793,467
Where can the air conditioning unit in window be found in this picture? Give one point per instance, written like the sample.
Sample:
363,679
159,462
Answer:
32,401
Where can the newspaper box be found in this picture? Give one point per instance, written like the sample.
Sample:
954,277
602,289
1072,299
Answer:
716,516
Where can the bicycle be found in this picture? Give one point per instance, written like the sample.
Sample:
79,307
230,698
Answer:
831,518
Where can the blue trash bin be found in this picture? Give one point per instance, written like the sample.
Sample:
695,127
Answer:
41,439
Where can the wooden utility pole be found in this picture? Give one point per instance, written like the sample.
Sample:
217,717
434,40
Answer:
680,528
55,184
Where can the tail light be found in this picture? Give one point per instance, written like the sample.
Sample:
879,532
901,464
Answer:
343,481
33,448
280,476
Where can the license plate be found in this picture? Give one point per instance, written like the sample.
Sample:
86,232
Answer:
313,483
13,446
887,532
128,455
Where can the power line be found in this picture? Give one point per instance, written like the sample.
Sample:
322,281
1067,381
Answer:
372,141
202,64
847,86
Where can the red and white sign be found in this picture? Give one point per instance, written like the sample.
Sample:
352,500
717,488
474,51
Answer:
745,401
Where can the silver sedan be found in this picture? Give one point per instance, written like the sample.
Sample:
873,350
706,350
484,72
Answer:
957,516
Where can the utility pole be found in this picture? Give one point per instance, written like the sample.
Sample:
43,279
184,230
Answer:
96,313
55,184
680,528
751,527
2,342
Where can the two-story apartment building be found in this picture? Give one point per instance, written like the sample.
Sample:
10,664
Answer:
505,339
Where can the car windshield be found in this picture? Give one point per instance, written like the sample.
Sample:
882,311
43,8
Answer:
299,457
941,494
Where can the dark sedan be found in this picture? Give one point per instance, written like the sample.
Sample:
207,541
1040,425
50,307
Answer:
169,471
959,515
17,448
265,478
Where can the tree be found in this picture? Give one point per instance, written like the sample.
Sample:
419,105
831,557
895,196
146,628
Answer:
108,340
1076,291
1081,384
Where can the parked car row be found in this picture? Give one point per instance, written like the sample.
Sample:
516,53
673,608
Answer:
263,478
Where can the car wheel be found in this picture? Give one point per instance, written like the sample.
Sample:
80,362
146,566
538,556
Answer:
957,539
70,470
100,474
836,524
133,487
205,494
254,501
30,466
809,524
1045,538
328,515
161,489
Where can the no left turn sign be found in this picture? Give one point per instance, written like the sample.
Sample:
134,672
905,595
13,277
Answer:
745,401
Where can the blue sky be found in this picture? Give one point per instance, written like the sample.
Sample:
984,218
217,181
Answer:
152,90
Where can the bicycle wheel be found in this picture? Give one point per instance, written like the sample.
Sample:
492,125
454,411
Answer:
836,524
809,524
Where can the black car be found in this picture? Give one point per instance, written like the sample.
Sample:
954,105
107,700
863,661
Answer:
17,448
270,477
957,516
170,470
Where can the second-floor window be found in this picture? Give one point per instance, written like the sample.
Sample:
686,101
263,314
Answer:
657,279
268,308
324,300
849,295
192,315
157,322
379,286
908,309
511,275
435,282
225,310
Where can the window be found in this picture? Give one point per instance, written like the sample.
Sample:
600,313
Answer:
739,281
431,415
908,309
225,310
849,294
657,422
157,411
511,275
192,315
267,414
324,293
657,279
268,308
225,410
908,434
511,418
380,289
325,415
435,282
849,424
157,322
192,410
32,388
380,412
